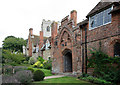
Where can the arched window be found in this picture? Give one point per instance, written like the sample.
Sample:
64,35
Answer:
117,49
48,29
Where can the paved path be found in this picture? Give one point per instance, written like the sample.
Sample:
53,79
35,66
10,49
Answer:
55,76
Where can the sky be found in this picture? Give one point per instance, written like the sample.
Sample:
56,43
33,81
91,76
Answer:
17,16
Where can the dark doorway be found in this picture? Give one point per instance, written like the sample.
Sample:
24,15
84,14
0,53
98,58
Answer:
117,49
68,61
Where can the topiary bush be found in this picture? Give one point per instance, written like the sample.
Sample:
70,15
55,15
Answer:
38,75
24,76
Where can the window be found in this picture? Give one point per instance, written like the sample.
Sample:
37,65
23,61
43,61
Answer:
48,29
100,19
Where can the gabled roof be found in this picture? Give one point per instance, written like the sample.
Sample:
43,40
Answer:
99,7
83,22
35,39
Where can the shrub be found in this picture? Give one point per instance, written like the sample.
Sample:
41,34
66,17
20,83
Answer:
9,79
31,69
96,80
12,58
40,59
19,68
24,76
47,65
25,62
105,67
41,66
32,60
38,75
7,69
37,64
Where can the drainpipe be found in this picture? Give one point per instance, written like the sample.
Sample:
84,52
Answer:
82,52
86,50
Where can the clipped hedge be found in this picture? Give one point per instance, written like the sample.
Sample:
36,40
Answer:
38,75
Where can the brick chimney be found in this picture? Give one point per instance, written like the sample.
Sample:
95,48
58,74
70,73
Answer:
54,29
31,31
73,16
41,43
29,41
53,32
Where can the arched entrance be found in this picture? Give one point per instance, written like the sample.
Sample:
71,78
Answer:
117,49
67,61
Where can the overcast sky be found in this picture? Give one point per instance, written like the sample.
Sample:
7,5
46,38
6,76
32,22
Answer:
17,16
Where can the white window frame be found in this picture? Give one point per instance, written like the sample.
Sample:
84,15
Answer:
91,28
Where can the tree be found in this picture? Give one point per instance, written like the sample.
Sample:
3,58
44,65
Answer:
13,43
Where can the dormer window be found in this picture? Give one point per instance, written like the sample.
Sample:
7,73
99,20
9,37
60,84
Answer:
99,19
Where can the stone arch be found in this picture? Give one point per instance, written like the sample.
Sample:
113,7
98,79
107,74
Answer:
114,46
67,60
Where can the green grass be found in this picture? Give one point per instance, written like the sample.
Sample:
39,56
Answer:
64,80
47,72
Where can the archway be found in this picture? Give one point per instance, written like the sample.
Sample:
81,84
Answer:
67,61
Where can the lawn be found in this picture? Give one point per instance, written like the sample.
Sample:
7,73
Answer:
64,80
47,72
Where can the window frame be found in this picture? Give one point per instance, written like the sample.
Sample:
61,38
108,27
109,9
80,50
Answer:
95,19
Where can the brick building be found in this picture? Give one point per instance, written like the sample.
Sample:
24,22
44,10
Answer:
70,46
40,45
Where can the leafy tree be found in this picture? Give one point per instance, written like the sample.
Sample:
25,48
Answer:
12,58
13,43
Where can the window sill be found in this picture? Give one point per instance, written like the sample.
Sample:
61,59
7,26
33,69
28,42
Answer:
99,26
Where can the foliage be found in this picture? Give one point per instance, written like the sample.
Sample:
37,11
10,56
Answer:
7,69
31,69
9,79
38,75
32,60
13,43
19,68
40,59
96,80
105,67
24,76
46,71
37,64
47,65
12,58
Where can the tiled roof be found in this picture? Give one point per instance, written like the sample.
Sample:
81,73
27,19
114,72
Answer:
83,22
99,7
35,39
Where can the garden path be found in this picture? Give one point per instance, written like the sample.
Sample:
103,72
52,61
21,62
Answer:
55,76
